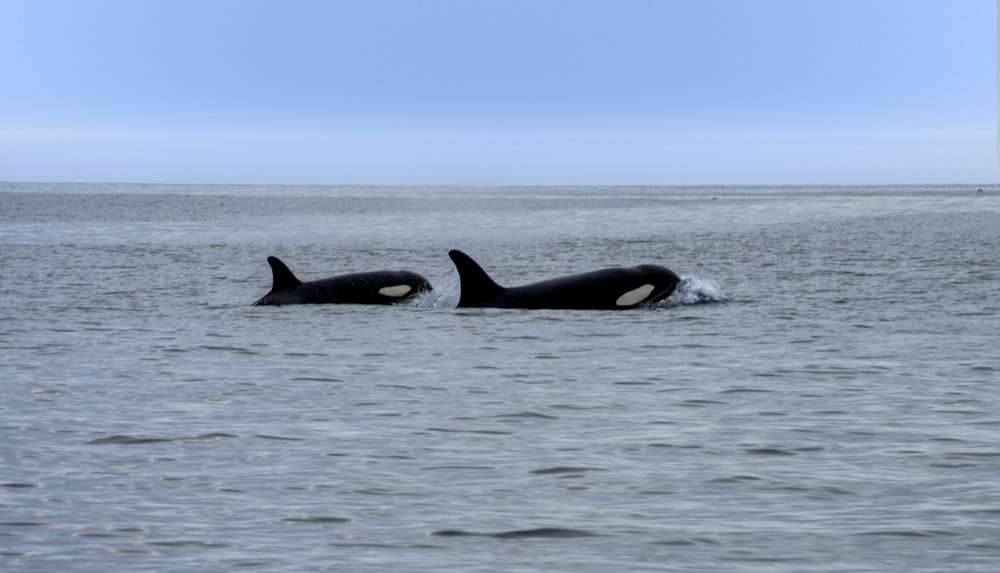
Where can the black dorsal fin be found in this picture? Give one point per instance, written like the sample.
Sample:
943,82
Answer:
477,286
283,278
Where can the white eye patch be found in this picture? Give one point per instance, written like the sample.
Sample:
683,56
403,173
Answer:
635,296
396,291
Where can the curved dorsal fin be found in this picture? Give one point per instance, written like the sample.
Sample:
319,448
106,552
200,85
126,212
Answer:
283,278
477,286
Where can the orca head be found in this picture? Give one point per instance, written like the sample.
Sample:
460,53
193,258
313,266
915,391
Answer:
659,283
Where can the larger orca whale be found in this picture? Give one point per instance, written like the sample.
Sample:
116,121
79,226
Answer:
605,289
374,287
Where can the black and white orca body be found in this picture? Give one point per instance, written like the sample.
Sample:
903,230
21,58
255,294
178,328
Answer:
605,289
375,287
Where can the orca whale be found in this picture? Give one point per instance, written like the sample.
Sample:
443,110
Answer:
605,289
375,287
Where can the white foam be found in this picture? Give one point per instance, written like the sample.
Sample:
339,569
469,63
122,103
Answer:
695,290
441,296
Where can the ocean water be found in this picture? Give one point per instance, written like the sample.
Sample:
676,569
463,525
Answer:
822,393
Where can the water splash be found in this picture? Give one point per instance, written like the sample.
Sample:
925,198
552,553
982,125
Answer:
443,297
694,290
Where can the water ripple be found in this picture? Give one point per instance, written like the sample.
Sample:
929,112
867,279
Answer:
566,470
540,532
316,519
124,439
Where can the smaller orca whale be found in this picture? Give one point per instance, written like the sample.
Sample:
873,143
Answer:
605,289
375,287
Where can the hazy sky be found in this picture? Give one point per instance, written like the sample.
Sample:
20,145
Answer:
499,91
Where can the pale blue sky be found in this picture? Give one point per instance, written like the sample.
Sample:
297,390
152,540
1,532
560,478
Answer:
499,92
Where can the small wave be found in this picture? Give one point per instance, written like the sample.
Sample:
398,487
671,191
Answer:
566,470
316,519
539,532
191,543
527,415
278,438
133,440
128,440
909,533
735,479
769,452
225,348
463,431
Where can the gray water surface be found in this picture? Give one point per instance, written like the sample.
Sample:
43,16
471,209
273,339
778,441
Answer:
821,394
